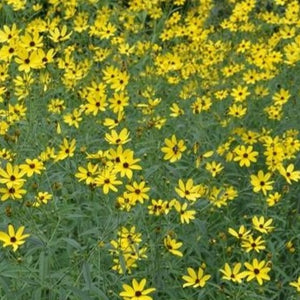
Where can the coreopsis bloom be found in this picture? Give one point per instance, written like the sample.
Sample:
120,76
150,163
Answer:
127,163
250,244
136,291
232,274
59,35
260,182
186,215
14,192
257,270
289,174
237,111
262,225
158,207
115,138
172,245
12,176
32,166
88,174
173,149
194,279
296,284
67,149
138,192
188,190
176,111
13,238
245,155
214,168
241,234
240,93
41,198
273,199
107,179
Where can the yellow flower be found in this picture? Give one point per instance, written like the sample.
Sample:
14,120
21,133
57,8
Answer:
107,179
14,192
126,163
214,168
296,284
12,176
32,166
232,274
237,111
195,279
87,174
257,270
260,182
13,238
262,225
253,244
115,138
185,215
289,173
243,233
42,198
138,191
57,35
172,245
67,149
136,291
245,155
188,191
273,199
173,149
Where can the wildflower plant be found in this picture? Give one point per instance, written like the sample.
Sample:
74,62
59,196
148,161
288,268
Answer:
149,149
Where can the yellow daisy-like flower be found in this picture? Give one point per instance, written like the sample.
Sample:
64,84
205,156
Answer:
257,270
173,149
232,274
296,284
195,279
137,291
260,182
13,238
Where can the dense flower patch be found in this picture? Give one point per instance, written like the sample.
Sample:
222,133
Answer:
149,149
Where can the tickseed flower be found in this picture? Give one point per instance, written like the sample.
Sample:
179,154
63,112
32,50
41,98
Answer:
173,149
115,138
41,198
245,155
250,244
214,168
138,192
243,233
172,245
188,191
262,225
195,279
257,270
296,284
12,176
136,291
107,179
67,149
260,182
14,192
232,274
186,215
88,174
289,174
13,238
273,199
32,166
